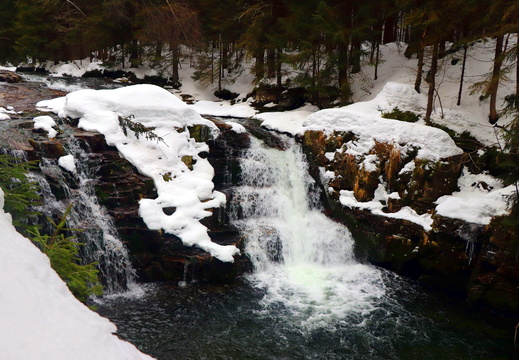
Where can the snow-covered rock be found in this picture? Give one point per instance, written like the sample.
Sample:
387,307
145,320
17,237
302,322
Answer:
189,189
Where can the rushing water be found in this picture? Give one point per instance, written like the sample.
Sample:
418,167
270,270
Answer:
97,230
307,298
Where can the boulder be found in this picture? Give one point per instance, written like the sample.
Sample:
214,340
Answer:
10,76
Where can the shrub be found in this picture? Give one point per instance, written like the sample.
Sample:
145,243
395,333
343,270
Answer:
20,192
398,114
82,280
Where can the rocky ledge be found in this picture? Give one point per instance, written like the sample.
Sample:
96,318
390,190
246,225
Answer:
390,209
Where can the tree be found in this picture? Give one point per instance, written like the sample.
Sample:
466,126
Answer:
173,23
7,36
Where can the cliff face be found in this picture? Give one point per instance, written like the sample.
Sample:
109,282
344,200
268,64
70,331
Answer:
155,255
388,198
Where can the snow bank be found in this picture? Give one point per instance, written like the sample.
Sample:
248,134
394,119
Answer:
224,108
289,122
41,318
480,198
365,121
188,190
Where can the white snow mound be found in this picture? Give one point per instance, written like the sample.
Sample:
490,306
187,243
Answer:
41,317
365,121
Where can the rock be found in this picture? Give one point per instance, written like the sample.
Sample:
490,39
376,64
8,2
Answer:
10,77
472,260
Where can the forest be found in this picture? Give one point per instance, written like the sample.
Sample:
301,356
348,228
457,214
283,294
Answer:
325,40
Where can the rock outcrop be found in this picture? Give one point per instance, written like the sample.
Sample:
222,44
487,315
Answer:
10,76
372,193
156,256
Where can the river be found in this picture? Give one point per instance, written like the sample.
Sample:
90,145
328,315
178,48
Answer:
307,296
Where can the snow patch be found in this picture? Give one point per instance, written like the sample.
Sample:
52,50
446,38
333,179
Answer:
376,206
68,163
46,123
480,198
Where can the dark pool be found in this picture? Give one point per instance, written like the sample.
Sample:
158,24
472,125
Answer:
230,322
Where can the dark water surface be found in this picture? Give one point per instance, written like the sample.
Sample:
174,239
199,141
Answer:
229,322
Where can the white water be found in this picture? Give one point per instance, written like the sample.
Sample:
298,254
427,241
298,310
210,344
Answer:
303,260
98,232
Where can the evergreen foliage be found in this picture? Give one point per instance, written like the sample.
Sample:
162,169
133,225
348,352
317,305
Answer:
20,192
398,114
127,123
20,195
82,280
321,40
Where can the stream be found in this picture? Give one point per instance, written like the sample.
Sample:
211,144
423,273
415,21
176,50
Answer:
307,296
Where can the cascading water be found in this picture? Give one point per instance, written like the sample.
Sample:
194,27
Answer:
303,260
307,297
98,231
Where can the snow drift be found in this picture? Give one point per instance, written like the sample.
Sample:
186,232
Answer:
42,319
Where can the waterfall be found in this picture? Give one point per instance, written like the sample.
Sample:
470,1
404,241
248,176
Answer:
302,260
98,232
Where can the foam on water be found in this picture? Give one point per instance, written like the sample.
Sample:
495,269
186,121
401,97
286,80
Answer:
302,260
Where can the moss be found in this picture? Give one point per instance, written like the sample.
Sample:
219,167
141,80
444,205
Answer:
201,133
396,113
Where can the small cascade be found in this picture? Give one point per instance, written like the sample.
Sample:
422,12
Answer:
303,260
60,187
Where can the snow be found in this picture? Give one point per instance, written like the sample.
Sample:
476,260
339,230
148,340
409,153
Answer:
237,128
46,123
41,317
365,121
224,108
376,206
289,122
4,116
480,198
8,68
190,191
68,163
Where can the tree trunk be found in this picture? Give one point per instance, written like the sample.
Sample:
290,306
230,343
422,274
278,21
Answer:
517,76
259,67
390,29
419,70
343,74
271,63
493,116
377,57
432,83
462,73
442,49
220,66
158,49
355,56
278,68
174,63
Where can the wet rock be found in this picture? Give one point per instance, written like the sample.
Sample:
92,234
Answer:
478,262
52,149
10,76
